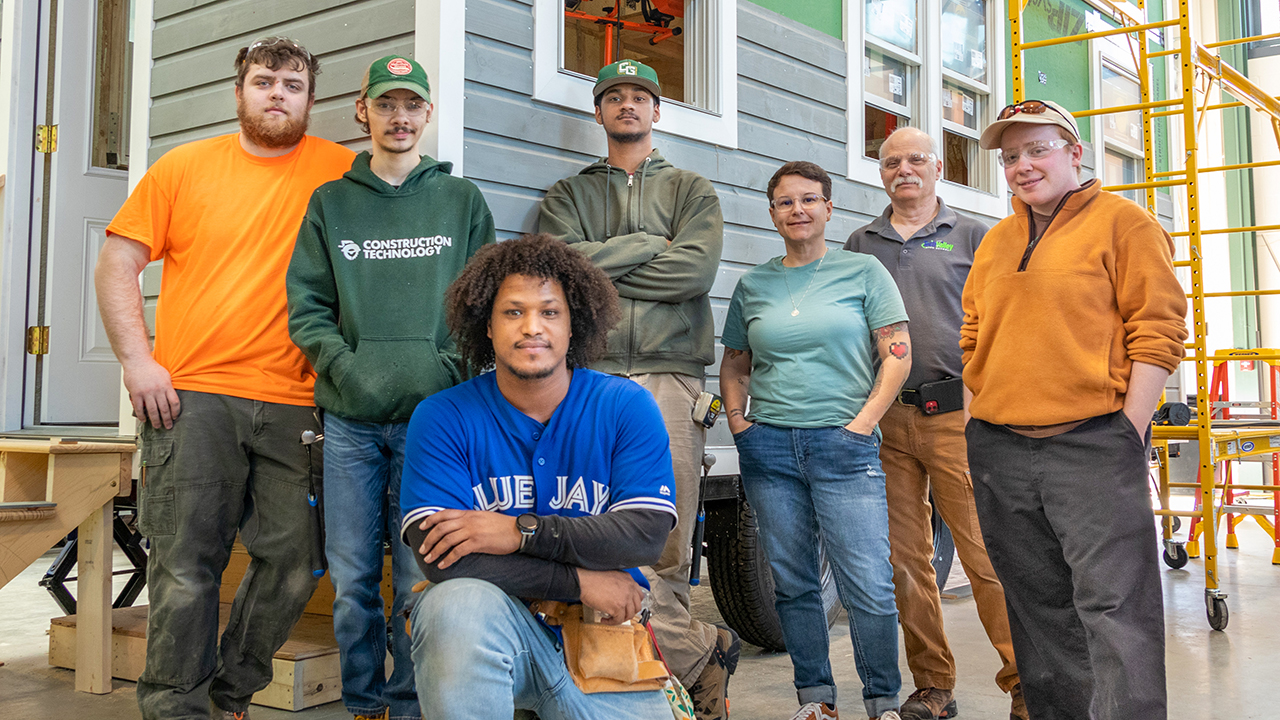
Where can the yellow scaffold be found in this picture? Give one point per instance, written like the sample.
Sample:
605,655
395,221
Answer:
1219,442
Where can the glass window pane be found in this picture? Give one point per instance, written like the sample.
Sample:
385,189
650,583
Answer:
960,105
651,32
887,78
960,159
893,21
113,60
1121,169
1119,89
879,123
964,37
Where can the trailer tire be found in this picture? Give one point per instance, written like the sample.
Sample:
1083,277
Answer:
741,581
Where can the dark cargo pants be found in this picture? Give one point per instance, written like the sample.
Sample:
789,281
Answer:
1069,528
229,464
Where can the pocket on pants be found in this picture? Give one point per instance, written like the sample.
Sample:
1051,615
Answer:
156,515
869,440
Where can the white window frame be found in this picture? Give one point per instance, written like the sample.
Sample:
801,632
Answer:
1115,56
556,86
928,111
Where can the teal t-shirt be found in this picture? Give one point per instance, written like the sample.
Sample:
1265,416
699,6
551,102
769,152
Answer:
814,369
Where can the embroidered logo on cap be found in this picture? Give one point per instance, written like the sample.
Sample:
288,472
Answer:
626,67
399,66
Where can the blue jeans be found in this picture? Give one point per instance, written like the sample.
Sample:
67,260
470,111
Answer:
811,483
480,654
361,507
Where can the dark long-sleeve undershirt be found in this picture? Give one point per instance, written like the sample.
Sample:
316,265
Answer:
547,568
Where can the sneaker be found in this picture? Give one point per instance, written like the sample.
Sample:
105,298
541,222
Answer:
710,693
889,715
1018,711
930,704
380,716
816,711
220,714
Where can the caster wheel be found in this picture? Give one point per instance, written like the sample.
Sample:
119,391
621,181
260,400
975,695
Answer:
1178,558
1177,524
1217,612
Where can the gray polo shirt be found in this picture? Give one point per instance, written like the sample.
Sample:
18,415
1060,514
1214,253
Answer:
930,269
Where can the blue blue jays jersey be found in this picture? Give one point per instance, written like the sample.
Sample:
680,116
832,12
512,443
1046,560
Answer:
605,448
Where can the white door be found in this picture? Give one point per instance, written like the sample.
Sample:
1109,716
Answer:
78,381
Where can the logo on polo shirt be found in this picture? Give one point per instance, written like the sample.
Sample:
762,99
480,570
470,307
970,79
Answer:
937,245
396,249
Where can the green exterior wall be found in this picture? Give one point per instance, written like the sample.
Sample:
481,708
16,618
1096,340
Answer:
1060,64
822,15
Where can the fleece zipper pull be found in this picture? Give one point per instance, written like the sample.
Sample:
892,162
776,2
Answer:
630,177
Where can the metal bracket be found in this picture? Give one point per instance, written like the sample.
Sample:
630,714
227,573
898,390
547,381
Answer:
38,340
46,138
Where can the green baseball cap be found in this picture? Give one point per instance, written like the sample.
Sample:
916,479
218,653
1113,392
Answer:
627,71
395,72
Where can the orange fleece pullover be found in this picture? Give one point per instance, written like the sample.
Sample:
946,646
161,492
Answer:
1052,328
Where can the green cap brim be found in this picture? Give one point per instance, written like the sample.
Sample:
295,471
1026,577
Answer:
383,88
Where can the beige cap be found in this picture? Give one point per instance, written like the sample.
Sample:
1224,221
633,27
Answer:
1033,112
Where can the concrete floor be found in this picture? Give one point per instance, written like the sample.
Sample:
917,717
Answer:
1211,675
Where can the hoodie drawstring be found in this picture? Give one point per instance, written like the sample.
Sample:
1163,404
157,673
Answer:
608,190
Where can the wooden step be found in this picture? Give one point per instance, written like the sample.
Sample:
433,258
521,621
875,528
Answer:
306,669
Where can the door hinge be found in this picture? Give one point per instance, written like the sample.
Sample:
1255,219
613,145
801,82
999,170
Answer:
38,340
46,138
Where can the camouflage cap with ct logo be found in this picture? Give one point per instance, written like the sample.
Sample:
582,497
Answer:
395,72
627,71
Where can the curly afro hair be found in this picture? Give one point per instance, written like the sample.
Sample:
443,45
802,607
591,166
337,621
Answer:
592,299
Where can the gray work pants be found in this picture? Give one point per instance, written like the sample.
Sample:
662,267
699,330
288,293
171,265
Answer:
1069,528
228,465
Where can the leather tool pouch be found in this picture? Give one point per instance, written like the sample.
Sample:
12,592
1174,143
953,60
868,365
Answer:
942,396
604,658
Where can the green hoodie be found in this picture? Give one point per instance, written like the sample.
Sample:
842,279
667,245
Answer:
367,281
623,223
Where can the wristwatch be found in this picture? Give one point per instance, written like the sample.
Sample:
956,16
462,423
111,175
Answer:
527,524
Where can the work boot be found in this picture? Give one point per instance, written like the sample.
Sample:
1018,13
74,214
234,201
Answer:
930,704
220,714
816,711
380,716
710,693
1018,711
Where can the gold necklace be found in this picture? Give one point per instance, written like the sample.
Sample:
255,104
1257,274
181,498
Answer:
795,306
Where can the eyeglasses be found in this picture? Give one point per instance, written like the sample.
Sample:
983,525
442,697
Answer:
1031,107
267,42
1037,150
387,108
916,159
786,204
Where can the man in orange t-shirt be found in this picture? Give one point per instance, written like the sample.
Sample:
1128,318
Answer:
225,399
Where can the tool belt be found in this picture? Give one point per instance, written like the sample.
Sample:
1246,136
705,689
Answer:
604,658
935,398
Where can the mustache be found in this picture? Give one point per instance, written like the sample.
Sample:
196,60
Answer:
900,181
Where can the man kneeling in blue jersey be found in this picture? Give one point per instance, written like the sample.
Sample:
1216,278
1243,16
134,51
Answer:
538,480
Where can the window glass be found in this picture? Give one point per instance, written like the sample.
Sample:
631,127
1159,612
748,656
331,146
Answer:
893,21
651,32
887,78
961,105
113,61
879,123
960,159
964,38
1122,169
1120,89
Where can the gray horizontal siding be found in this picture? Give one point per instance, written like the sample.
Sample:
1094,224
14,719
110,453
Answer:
194,44
792,102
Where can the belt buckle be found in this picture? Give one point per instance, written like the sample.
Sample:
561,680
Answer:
903,394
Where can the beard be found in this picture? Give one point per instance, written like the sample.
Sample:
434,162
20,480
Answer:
389,146
627,138
273,134
536,374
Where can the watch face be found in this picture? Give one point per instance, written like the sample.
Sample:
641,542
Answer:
527,522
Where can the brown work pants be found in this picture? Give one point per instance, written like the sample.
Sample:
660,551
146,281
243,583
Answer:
922,453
